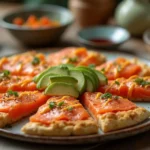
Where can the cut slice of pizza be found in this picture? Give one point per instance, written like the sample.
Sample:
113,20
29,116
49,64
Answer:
15,83
77,56
29,63
122,67
61,116
16,105
113,112
135,88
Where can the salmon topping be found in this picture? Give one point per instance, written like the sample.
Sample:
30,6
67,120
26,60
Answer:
60,108
100,103
30,63
17,83
76,56
133,88
20,104
120,67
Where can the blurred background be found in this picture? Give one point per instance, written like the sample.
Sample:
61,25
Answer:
131,15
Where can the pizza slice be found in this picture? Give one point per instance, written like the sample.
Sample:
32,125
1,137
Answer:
29,63
16,105
15,83
76,56
113,112
135,88
122,67
61,116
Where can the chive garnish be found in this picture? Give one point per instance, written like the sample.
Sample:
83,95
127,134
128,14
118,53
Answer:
35,61
116,82
61,103
12,93
106,96
70,108
141,81
73,59
52,105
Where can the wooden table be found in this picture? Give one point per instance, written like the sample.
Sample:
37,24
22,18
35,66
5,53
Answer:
8,45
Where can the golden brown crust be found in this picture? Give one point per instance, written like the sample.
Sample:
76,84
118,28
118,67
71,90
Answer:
114,121
145,67
4,119
62,128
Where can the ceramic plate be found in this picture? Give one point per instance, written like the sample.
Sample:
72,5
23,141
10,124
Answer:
14,132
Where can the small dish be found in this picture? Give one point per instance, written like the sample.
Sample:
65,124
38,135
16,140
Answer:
146,37
105,37
38,36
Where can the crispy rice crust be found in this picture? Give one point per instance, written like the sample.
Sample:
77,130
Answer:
114,121
4,119
62,128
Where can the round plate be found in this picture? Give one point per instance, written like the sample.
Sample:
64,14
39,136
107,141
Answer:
14,132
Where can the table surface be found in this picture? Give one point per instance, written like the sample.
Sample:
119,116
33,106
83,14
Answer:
8,45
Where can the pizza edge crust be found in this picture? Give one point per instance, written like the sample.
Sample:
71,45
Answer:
114,121
4,119
61,128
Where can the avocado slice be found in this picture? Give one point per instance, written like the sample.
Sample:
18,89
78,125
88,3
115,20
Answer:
89,84
66,79
45,80
61,88
102,78
55,70
89,74
92,73
81,79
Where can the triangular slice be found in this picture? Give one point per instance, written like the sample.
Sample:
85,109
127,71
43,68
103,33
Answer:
113,112
16,83
135,88
29,63
122,67
16,105
61,116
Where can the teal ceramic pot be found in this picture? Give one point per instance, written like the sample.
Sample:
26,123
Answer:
134,15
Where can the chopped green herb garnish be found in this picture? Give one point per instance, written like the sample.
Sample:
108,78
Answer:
103,69
91,66
5,73
141,81
70,108
35,61
116,82
52,105
106,96
61,103
73,59
119,68
115,97
12,93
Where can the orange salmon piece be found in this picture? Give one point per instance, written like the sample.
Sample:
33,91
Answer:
29,63
21,105
76,56
60,108
120,67
135,88
98,104
17,83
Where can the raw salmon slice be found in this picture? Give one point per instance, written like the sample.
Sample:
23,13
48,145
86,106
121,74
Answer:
76,56
29,63
21,104
120,67
135,88
16,83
